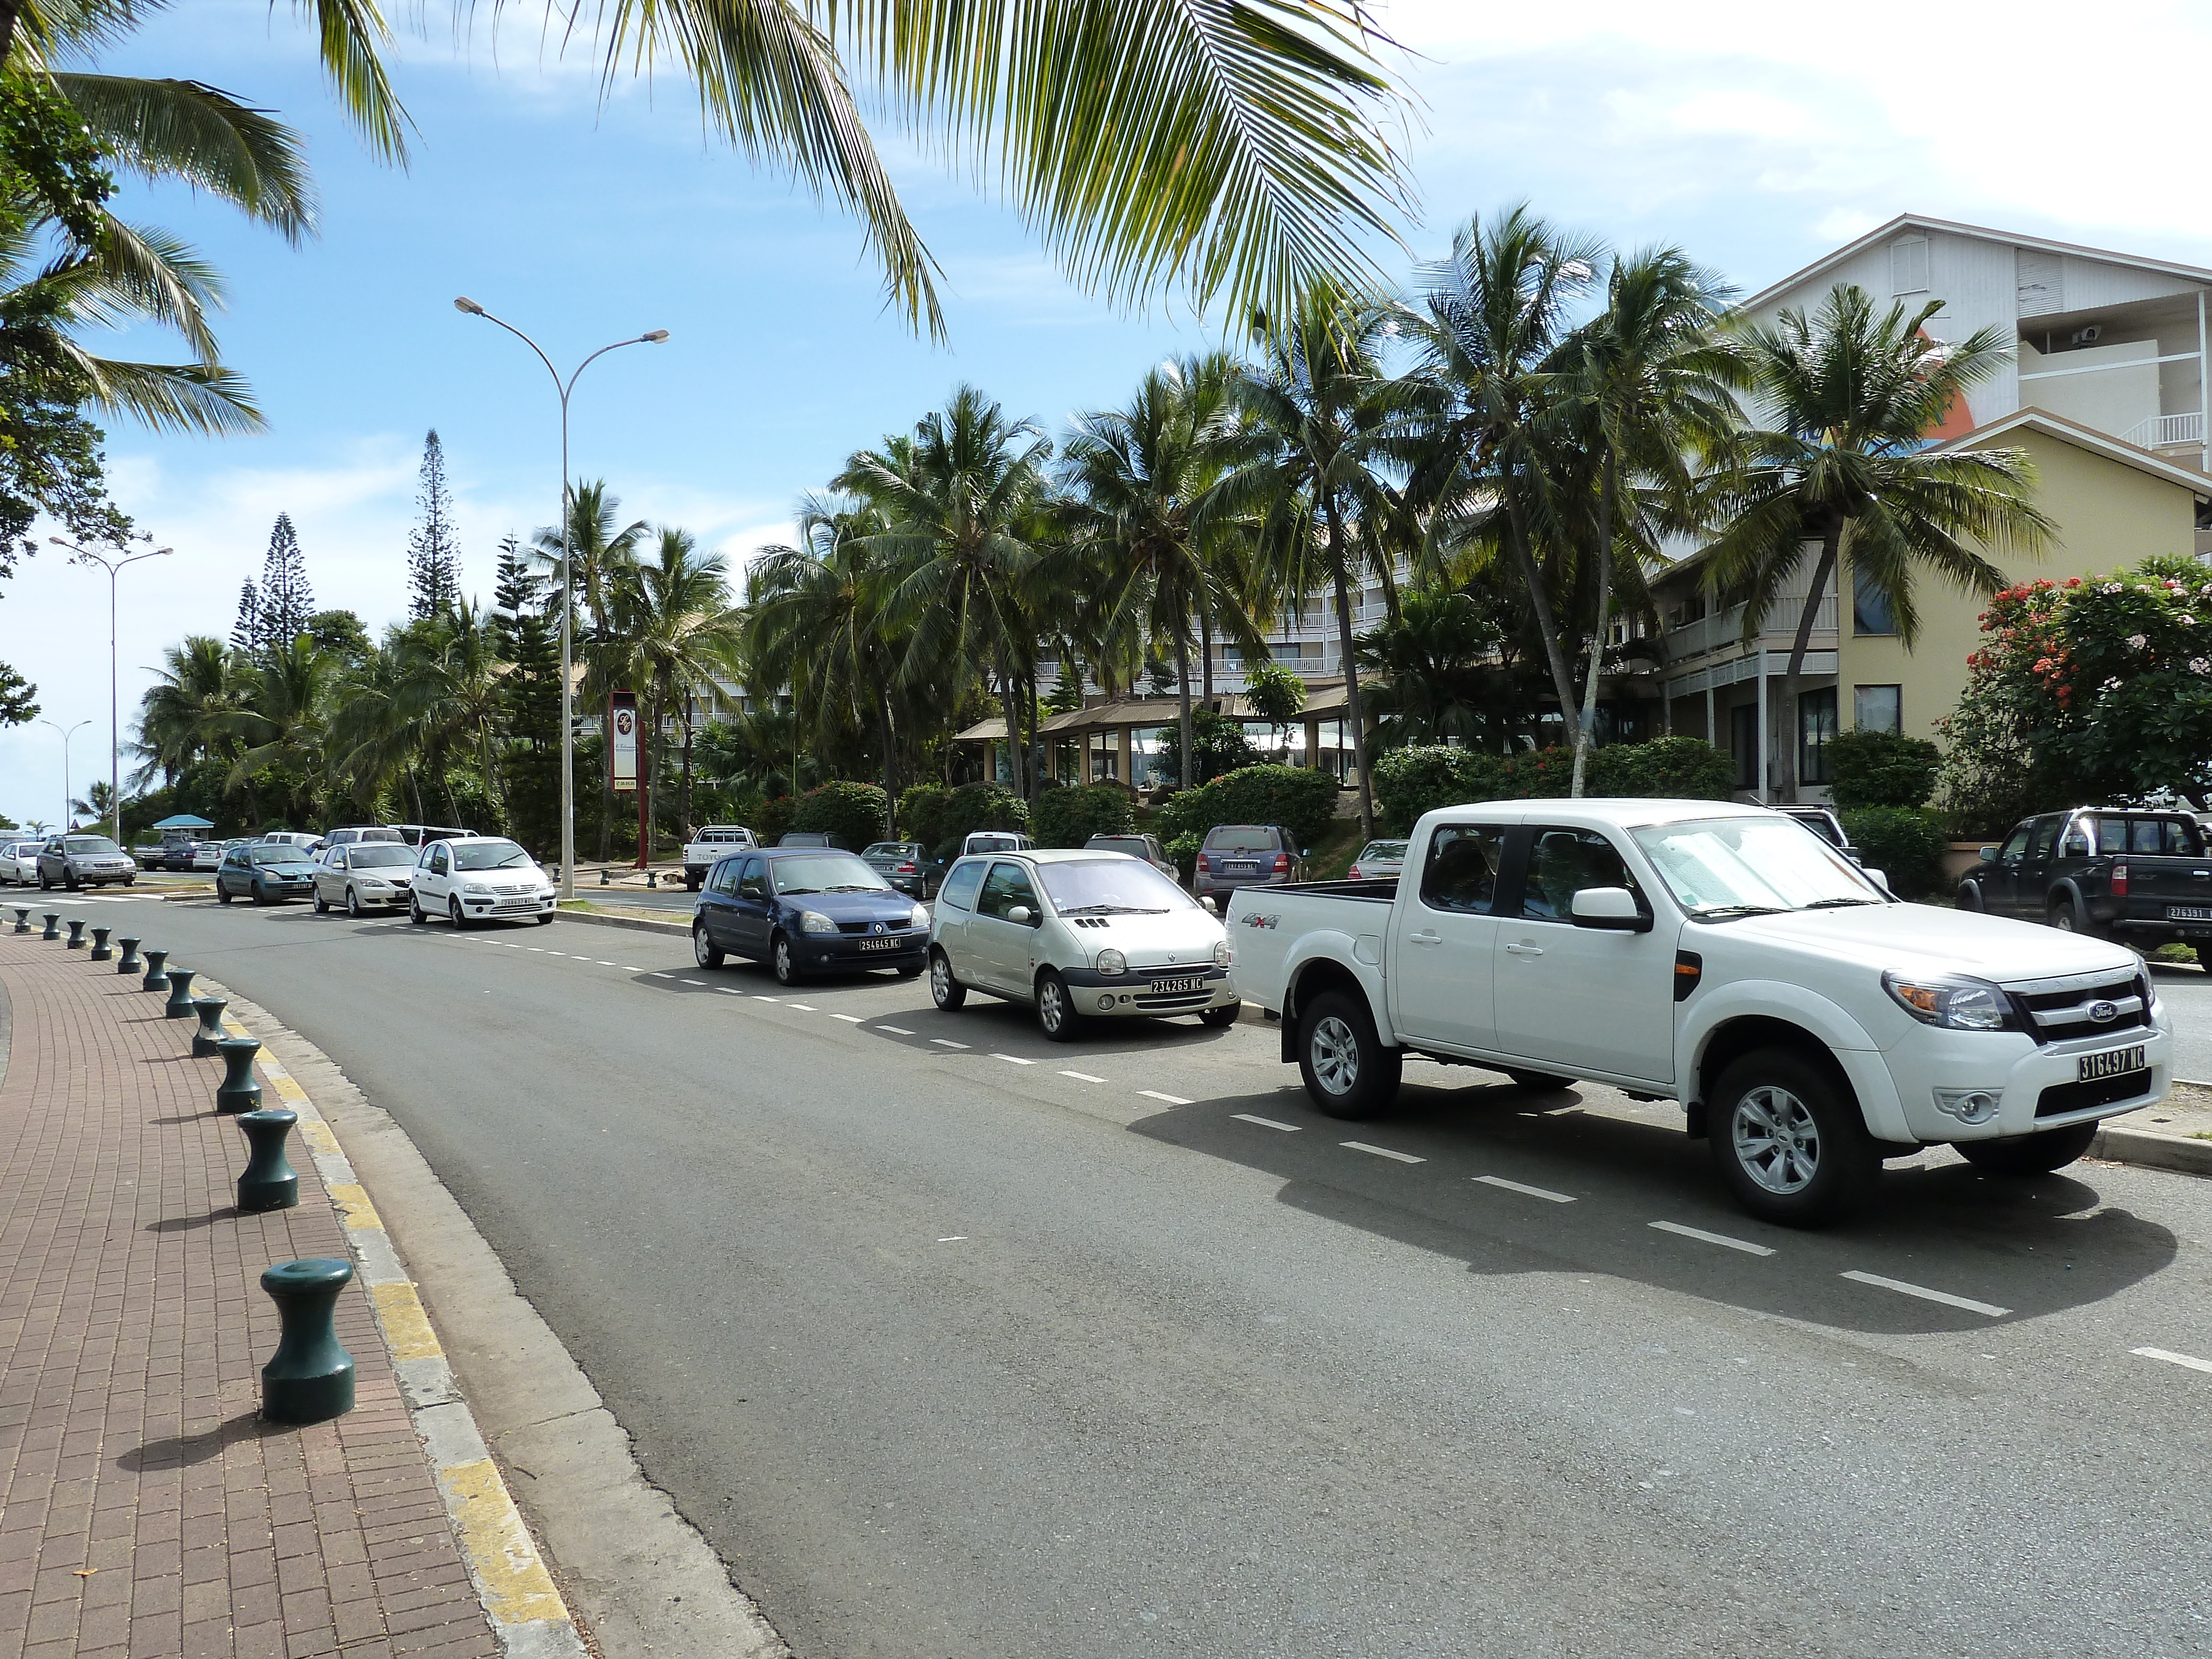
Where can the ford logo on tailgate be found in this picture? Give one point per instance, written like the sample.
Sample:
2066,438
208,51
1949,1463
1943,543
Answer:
2103,1012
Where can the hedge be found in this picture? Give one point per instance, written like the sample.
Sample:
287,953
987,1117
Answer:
1299,798
1905,844
1867,767
773,818
1411,781
852,814
941,819
1070,817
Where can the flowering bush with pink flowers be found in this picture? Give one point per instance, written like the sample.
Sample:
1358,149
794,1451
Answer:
2082,692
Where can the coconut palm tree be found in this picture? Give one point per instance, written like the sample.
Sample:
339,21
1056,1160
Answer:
450,694
1321,416
680,628
601,552
284,724
186,714
1838,472
1443,679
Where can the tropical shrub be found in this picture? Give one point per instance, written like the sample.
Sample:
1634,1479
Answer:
1299,798
971,807
852,814
921,813
1414,781
1070,817
2084,691
1676,769
1411,781
1905,844
1881,768
1183,849
1218,746
774,819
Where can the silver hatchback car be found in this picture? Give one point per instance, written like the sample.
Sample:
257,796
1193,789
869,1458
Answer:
78,861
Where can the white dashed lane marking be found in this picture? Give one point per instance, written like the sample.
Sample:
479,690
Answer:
1265,1122
896,1030
850,1019
1013,1060
1721,1239
1382,1151
1927,1294
947,1042
1081,1076
802,1007
1526,1190
2173,1358
1172,1100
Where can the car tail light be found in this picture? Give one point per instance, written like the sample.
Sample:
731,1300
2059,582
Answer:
1353,874
2119,881
1282,864
1203,867
906,869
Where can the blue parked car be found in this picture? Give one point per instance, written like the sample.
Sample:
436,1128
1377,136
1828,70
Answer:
807,910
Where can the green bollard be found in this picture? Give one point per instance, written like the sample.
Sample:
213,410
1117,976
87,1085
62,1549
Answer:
23,919
179,1005
238,1091
156,980
130,962
210,1032
77,934
310,1377
54,924
101,952
269,1183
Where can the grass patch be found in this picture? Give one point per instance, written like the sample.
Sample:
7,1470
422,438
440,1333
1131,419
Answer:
1333,852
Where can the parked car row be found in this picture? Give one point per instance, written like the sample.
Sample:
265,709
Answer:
464,879
73,860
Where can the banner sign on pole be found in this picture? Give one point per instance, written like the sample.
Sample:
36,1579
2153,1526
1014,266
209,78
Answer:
621,739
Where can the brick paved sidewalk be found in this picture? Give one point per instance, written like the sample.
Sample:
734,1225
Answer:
148,1511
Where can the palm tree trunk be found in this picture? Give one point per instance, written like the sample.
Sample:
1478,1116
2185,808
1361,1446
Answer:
1539,601
1584,726
1184,777
690,715
890,762
1206,649
1784,740
1352,713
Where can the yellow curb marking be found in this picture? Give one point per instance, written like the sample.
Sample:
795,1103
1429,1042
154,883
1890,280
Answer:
286,1087
359,1212
516,1586
407,1330
317,1133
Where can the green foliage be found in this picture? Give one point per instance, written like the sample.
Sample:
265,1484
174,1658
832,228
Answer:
1411,781
1183,849
1881,768
975,807
1070,817
921,813
1217,745
774,819
50,165
1274,692
1905,843
852,814
1300,799
19,703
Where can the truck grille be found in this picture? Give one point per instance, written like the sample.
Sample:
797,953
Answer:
2058,1009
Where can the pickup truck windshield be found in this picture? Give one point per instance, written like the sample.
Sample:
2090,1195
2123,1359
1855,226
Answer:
1110,887
1720,867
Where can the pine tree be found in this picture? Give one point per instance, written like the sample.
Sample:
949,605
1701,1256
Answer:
517,591
287,601
434,551
246,632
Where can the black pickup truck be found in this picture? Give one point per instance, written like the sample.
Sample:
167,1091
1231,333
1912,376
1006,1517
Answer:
2144,879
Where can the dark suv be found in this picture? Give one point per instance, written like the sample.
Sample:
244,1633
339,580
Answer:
1235,855
2141,877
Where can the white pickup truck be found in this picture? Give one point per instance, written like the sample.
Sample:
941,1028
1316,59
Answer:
1722,956
707,843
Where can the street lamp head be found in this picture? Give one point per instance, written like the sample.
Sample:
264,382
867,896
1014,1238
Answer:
656,336
462,302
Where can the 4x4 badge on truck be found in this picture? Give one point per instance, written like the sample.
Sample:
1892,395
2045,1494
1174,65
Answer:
2102,1012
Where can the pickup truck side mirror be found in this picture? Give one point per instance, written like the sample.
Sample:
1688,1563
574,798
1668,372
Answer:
1613,909
1020,915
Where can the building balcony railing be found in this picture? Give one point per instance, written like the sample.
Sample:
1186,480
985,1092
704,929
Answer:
2166,431
1724,629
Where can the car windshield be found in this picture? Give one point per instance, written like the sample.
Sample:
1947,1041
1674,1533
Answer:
1720,867
275,853
489,855
90,844
1381,851
1110,887
1133,845
827,873
373,855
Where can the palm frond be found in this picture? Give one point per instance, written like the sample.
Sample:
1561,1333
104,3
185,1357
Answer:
196,133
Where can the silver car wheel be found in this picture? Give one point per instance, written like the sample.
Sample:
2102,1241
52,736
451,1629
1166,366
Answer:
1335,1054
1052,1004
1778,1143
700,949
940,976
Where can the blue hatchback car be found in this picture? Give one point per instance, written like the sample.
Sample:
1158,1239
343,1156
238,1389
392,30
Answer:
807,910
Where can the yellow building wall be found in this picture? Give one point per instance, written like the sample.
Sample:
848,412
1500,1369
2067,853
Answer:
2107,516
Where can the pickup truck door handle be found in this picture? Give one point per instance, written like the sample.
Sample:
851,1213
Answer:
1425,938
1525,949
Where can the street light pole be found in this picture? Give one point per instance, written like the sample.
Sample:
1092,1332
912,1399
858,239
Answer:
67,733
113,566
462,303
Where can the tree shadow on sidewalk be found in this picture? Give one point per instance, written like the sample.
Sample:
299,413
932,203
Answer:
183,1450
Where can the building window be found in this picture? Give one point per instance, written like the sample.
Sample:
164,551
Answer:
1878,708
1816,724
1908,265
1743,744
1870,608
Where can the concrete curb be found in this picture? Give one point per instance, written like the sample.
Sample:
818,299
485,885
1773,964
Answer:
2152,1151
527,1614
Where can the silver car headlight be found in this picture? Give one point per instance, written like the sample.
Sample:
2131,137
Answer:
1111,961
1222,955
373,881
917,917
478,890
813,921
1954,1003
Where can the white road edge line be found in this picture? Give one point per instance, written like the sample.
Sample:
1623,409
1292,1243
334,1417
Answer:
1927,1294
1382,1151
947,1042
896,1030
1172,1100
1721,1239
1083,1077
1524,1188
1013,1060
1265,1122
2173,1358
850,1019
695,981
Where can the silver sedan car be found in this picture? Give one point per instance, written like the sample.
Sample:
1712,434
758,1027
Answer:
1379,861
359,876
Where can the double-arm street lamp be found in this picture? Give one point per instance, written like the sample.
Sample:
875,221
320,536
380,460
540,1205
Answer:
67,731
568,592
114,565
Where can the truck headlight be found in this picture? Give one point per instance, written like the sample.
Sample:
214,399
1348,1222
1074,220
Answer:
1222,955
813,921
1111,961
1956,1003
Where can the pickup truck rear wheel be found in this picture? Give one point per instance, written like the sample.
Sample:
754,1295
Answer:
1347,1071
2066,915
2029,1155
1789,1141
1970,895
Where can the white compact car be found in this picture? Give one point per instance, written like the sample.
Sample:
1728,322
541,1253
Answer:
474,878
1078,935
364,875
19,863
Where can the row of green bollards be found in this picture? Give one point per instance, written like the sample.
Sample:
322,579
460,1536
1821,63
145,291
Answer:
310,1377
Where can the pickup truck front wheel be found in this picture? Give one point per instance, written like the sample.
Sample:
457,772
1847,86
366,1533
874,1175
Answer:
1789,1141
1347,1071
2029,1155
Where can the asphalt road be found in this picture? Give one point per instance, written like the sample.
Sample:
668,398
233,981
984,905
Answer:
956,1342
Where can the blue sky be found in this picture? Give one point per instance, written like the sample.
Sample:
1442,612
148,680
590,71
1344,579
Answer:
1755,136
